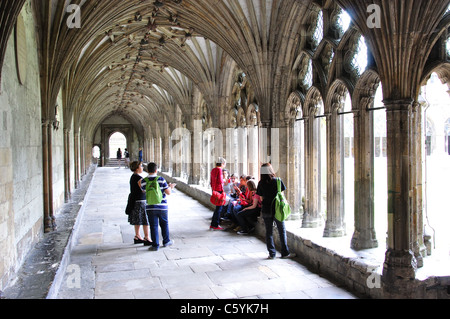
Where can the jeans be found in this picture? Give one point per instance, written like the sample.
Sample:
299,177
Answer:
216,216
268,221
159,218
234,211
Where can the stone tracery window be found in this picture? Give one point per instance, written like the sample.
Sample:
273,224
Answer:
306,73
344,21
318,33
340,22
316,30
359,62
356,59
327,57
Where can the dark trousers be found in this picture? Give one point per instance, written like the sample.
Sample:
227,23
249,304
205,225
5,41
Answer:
215,221
247,218
269,221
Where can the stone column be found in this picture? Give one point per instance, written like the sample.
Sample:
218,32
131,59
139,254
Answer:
417,229
196,152
76,148
400,262
151,148
280,147
311,216
176,158
146,148
157,157
293,171
364,236
335,224
166,161
67,188
253,142
47,178
82,158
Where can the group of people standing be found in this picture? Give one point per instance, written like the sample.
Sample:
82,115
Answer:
246,201
149,217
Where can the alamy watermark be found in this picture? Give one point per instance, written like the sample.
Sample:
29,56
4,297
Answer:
374,279
74,19
374,19
73,280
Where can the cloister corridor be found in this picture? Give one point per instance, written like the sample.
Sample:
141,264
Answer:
348,100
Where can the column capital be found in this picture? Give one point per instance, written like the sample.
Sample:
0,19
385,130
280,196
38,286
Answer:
266,124
398,105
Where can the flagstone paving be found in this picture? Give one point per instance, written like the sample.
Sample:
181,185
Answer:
202,264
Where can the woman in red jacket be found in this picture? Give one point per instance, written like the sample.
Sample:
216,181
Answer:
217,185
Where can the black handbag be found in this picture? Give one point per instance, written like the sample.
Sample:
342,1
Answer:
130,204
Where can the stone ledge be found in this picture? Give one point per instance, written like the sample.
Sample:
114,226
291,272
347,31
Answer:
45,265
358,271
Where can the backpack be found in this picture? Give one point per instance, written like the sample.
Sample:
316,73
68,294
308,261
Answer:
153,192
282,208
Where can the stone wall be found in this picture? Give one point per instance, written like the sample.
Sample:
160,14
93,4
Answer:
21,202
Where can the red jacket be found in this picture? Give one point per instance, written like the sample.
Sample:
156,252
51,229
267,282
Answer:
246,198
217,179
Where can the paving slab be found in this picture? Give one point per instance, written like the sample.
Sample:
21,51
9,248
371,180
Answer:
202,264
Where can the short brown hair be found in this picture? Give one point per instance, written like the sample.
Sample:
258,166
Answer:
135,166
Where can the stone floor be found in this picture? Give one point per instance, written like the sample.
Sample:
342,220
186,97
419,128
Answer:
202,264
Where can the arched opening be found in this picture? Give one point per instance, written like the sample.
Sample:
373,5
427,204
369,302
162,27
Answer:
117,141
96,154
437,164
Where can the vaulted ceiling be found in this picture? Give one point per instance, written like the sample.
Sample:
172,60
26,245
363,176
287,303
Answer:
142,59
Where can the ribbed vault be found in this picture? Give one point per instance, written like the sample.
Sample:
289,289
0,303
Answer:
402,44
141,59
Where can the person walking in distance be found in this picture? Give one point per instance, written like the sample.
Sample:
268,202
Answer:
127,158
119,157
